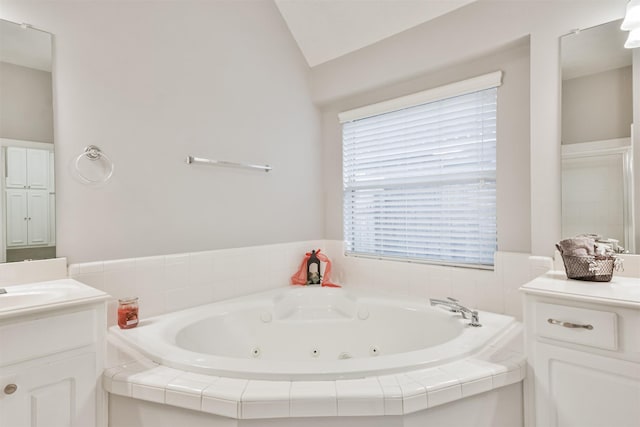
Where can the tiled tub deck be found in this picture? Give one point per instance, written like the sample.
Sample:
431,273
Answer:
500,364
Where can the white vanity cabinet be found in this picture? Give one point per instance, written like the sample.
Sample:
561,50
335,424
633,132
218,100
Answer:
583,351
51,363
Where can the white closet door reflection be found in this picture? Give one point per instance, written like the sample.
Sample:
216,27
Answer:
595,186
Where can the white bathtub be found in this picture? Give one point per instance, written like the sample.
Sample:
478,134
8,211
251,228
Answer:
311,333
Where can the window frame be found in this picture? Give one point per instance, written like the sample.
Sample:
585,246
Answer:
465,87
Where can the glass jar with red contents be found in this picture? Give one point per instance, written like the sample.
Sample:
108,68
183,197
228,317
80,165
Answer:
128,312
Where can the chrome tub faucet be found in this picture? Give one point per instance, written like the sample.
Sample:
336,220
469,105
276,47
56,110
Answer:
455,307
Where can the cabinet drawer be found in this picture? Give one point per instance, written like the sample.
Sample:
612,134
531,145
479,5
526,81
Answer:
577,325
40,337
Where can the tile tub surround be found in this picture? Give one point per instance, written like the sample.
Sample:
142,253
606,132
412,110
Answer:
488,290
500,364
174,282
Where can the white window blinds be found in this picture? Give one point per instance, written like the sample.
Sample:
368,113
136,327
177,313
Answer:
420,181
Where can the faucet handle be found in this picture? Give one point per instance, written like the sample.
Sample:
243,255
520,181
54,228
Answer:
453,299
475,321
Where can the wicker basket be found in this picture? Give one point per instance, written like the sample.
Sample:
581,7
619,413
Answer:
589,268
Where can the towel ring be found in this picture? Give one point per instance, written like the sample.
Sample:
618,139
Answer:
93,153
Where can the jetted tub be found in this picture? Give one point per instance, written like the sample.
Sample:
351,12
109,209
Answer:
312,333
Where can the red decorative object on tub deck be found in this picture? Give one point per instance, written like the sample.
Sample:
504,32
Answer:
128,312
302,275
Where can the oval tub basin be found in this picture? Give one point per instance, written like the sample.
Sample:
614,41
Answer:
311,333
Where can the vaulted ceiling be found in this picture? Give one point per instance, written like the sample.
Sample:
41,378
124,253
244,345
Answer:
328,29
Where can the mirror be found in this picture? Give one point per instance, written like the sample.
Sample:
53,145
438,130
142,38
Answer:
597,147
27,201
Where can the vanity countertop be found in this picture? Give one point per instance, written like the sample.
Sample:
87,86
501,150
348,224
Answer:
41,296
620,291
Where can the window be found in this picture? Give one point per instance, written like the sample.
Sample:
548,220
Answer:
420,175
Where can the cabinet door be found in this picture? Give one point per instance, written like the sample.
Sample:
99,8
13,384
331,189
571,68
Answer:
16,167
580,389
37,169
38,214
17,218
58,394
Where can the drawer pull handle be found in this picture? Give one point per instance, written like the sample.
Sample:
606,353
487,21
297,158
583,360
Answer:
10,388
569,324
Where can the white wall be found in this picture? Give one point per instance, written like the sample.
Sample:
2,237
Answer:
470,32
26,107
597,106
152,82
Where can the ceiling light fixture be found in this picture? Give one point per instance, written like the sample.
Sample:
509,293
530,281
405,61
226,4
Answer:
633,40
632,17
632,23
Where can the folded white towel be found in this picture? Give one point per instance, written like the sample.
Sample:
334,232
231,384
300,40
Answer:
577,246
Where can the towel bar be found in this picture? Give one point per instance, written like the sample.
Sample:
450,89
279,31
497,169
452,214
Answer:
193,159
